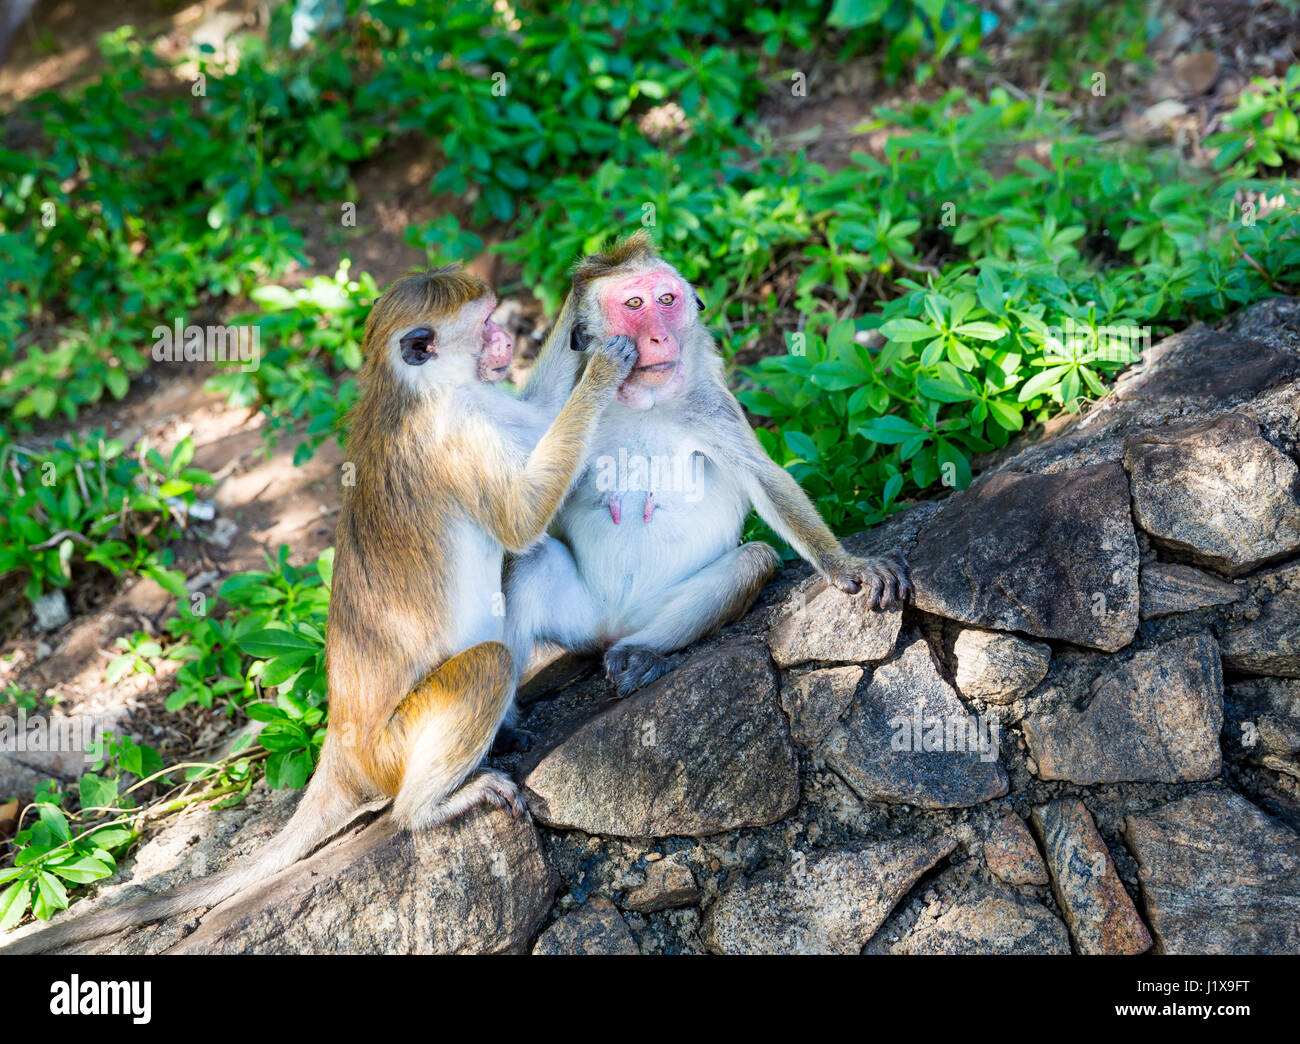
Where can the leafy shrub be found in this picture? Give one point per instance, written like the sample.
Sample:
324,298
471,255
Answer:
87,501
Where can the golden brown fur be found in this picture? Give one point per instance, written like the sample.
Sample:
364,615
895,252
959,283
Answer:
418,681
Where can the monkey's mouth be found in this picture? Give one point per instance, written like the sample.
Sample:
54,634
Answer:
501,370
662,367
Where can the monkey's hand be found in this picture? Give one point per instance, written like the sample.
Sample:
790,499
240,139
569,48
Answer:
884,579
615,358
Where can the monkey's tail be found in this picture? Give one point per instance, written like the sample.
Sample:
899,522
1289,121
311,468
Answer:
327,806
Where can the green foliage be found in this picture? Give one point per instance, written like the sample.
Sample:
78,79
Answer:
86,501
1263,129
314,334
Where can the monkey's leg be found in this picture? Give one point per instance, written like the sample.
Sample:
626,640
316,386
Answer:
547,601
442,730
719,593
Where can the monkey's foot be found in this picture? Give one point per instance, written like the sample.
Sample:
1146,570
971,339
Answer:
886,579
498,789
511,740
630,667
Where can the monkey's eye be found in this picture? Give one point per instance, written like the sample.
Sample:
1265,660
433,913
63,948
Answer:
666,299
418,346
633,302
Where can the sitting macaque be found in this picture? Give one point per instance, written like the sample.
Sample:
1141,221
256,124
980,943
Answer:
446,481
644,556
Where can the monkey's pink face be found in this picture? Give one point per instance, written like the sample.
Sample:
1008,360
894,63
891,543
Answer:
655,309
498,348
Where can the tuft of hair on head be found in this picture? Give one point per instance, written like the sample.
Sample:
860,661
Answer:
631,248
421,295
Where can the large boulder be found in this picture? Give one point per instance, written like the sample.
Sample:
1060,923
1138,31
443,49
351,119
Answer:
1054,556
704,749
1218,876
909,739
1154,718
819,622
1217,492
827,902
477,884
987,921
1101,916
1268,641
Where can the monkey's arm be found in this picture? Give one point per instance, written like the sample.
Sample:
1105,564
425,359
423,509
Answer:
556,370
516,504
781,502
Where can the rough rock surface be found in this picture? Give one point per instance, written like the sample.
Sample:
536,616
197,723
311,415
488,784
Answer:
594,928
986,920
1101,916
478,884
683,819
999,668
814,700
704,749
1153,718
1243,488
1218,876
1053,556
819,622
829,902
1011,855
909,738
1269,643
1168,587
668,883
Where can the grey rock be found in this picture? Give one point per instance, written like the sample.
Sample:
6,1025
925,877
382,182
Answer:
814,700
828,902
985,920
1101,916
477,884
704,749
820,622
1218,876
1054,556
909,739
1203,367
668,883
1010,852
1216,491
1168,587
1270,643
1270,714
595,928
999,668
1155,718
51,610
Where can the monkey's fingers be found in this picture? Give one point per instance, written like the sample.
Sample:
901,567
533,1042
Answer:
504,793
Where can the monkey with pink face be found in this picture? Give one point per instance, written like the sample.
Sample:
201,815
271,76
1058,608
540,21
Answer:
644,555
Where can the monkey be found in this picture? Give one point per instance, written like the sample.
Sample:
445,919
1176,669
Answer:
445,481
644,556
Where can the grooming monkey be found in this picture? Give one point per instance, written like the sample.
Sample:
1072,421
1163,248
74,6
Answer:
643,567
419,679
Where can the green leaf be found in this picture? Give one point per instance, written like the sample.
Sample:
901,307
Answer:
97,792
14,902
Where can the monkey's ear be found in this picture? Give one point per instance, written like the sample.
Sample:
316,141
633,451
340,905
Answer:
418,346
578,339
699,302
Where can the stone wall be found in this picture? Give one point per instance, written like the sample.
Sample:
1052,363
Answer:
1082,737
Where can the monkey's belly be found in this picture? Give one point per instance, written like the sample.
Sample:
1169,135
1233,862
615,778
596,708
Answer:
628,566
